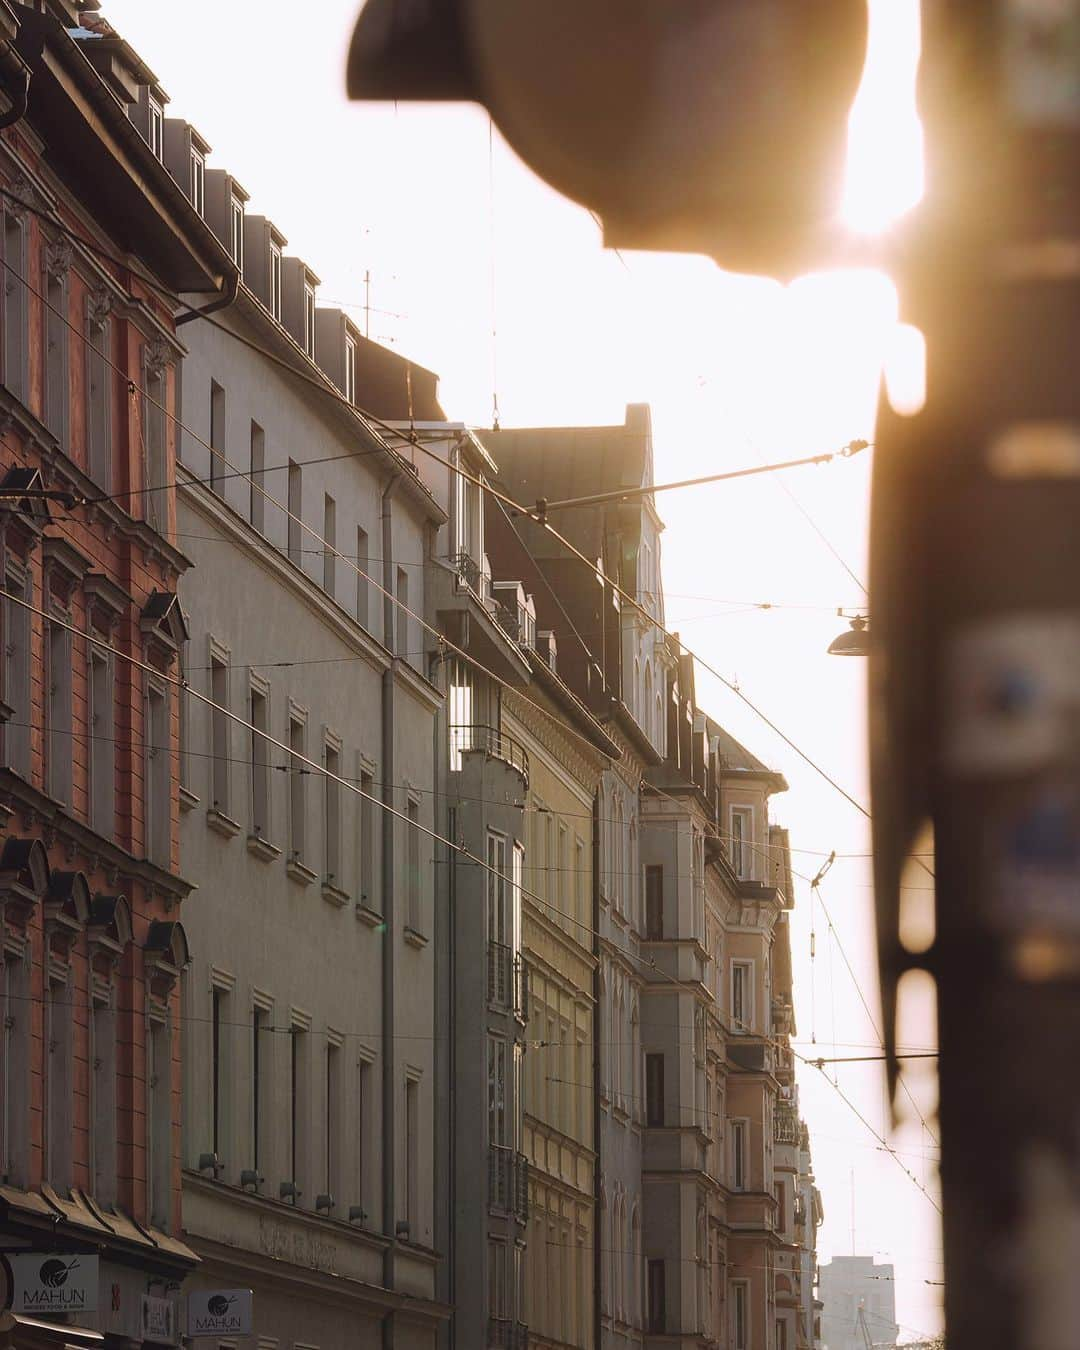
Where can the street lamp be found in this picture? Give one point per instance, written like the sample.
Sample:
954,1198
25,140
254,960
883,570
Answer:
855,642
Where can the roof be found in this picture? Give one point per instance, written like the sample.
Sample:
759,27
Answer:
734,756
394,388
560,462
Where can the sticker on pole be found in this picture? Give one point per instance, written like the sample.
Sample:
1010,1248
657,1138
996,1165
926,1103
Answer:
224,1312
1012,695
46,1283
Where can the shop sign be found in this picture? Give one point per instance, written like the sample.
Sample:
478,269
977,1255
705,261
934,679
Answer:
47,1283
158,1323
220,1312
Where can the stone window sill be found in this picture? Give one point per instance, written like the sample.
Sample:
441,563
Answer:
369,916
262,848
296,871
334,895
415,939
223,824
188,800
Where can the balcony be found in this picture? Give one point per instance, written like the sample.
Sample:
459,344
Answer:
507,980
469,737
786,1125
508,1182
503,1334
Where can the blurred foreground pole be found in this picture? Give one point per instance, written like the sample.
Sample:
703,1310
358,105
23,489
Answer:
975,666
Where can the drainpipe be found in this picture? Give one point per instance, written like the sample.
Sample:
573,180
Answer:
223,301
12,63
599,1031
387,773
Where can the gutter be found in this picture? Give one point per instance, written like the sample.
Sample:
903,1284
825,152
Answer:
227,297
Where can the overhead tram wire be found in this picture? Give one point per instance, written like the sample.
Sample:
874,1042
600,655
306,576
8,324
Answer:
371,421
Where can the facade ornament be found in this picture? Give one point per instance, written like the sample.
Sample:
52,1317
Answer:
99,305
58,257
158,356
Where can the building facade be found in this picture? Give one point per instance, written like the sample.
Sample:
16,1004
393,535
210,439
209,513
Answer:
857,1291
97,244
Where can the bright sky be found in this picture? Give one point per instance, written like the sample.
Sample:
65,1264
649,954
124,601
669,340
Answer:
459,241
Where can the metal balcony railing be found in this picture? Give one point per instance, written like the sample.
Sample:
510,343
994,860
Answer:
469,571
521,988
508,1182
507,980
466,736
504,1334
786,1125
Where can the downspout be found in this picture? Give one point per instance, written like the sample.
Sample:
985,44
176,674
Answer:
598,1033
12,63
223,301
387,773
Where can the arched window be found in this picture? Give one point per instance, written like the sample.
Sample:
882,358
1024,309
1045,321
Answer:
647,703
637,1276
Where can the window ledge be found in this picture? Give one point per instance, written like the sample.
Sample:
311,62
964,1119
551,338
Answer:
188,800
369,916
415,939
296,870
334,895
223,824
262,848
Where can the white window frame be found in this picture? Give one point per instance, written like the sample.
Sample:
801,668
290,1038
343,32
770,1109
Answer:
198,180
739,1145
236,231
740,1315
742,844
309,319
349,379
744,1023
155,128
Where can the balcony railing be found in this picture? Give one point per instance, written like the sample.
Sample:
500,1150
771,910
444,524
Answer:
508,1182
465,736
786,1125
503,1334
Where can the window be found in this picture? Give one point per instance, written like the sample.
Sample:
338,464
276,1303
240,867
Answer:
362,578
363,1106
97,400
402,612
497,911
333,1119
257,510
261,1097
58,1096
103,1101
350,369
742,834
332,815
156,129
236,232
412,1156
158,777
780,1191
218,461
58,710
367,841
275,281
739,1160
654,903
298,1082
102,785
329,545
654,1090
17,676
781,1334
740,1326
742,996
220,1075
15,307
159,1121
309,319
155,468
657,1300
496,1073
259,717
56,332
412,876
297,789
198,181
498,1292
296,506
219,735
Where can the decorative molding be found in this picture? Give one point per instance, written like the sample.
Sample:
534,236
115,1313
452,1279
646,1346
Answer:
58,259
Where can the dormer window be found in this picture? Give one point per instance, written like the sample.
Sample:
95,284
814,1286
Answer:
156,129
275,281
309,319
236,231
198,181
350,369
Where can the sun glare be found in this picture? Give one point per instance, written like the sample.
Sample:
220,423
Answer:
885,150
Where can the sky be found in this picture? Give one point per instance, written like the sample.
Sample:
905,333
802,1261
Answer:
481,272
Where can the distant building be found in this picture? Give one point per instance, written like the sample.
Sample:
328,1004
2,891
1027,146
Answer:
847,1284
